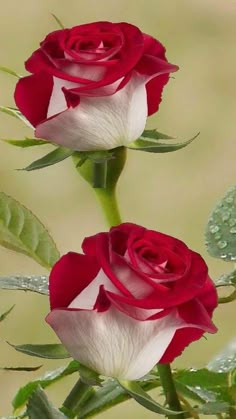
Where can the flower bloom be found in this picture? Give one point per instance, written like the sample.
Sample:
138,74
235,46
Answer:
134,298
93,86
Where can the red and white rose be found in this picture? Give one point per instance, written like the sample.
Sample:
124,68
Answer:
93,86
136,297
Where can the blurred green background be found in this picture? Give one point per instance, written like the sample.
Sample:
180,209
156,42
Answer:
173,193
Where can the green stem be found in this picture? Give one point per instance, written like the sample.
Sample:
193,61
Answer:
228,299
78,395
167,383
108,202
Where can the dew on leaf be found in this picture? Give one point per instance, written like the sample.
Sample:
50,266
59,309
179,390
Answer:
225,216
233,230
214,228
229,199
222,244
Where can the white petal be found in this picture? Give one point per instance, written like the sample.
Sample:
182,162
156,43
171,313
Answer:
57,102
112,343
134,283
85,71
100,123
87,298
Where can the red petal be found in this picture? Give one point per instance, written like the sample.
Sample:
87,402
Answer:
32,96
153,47
181,339
159,69
154,92
69,276
197,311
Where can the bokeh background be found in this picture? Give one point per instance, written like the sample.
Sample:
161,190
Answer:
173,193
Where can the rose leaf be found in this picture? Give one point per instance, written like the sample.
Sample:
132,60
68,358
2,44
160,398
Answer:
40,407
21,231
49,378
32,283
221,228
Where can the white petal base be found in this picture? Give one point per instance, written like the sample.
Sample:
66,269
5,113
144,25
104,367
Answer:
100,123
112,343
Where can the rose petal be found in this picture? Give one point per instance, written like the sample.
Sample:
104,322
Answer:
32,96
196,311
87,298
112,343
85,128
69,276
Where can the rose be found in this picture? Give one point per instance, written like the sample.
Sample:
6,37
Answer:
134,298
93,86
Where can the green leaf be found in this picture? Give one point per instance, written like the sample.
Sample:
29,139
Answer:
48,351
16,114
27,142
54,157
4,315
9,71
213,408
110,394
40,407
202,378
22,232
152,145
225,361
49,378
221,228
137,393
205,384
31,283
155,135
21,368
60,24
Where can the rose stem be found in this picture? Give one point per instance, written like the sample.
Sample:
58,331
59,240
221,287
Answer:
167,383
108,202
78,395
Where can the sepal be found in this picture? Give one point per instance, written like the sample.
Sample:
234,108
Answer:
150,141
27,142
101,169
7,70
54,157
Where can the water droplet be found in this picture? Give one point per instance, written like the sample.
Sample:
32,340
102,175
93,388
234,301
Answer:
226,216
217,236
223,256
232,222
229,199
214,228
233,230
222,244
